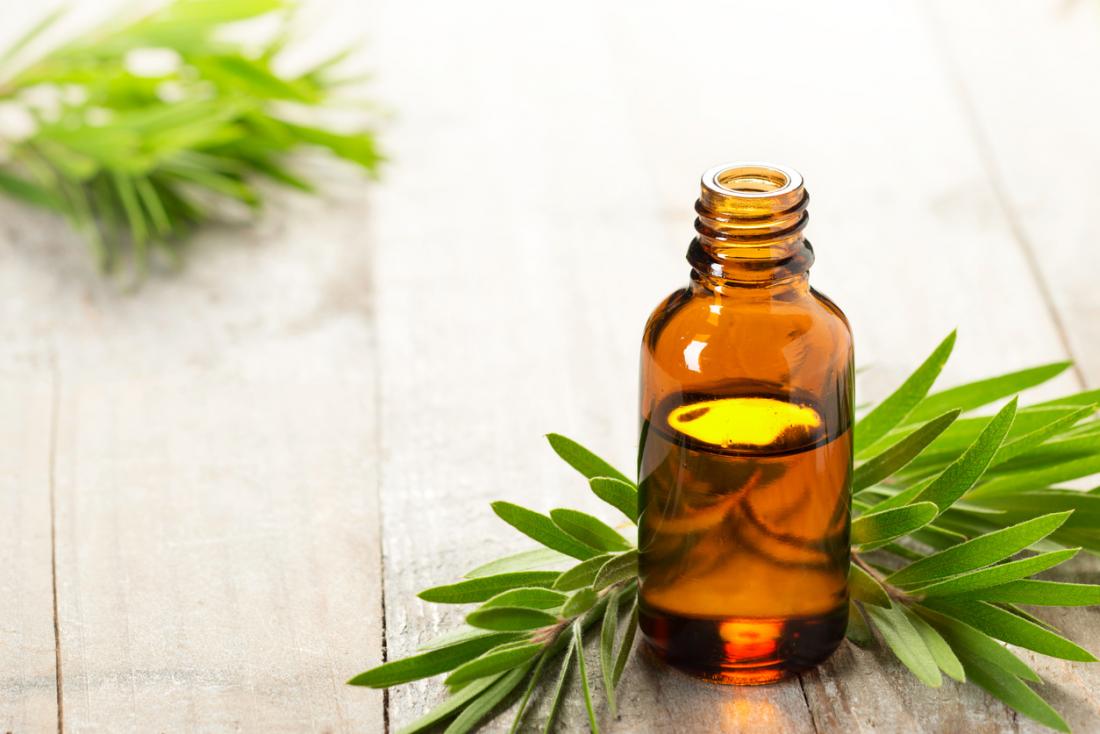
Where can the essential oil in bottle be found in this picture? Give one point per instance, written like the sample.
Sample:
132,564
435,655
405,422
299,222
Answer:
745,455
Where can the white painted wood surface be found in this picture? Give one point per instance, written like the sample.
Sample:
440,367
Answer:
247,458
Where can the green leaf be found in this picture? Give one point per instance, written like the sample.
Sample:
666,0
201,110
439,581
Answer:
982,392
427,664
583,460
541,528
481,706
607,650
1011,690
864,587
895,457
907,643
1032,439
996,575
28,191
535,679
966,640
617,493
484,588
461,634
559,687
945,658
963,473
891,411
978,552
1036,479
589,530
497,660
532,560
578,636
449,706
877,527
626,645
858,630
530,597
619,568
583,574
1015,630
1040,593
579,602
510,619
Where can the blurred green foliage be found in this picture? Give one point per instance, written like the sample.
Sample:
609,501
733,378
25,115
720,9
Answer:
139,130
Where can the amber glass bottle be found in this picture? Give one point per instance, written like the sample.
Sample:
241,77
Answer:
745,456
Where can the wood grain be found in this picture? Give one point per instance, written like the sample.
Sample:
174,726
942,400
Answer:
28,684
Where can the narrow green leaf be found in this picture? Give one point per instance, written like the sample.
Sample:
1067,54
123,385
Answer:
481,706
617,493
863,586
578,635
559,687
541,528
945,658
497,660
583,574
978,552
35,31
427,664
907,643
997,574
877,527
1015,630
963,473
583,460
579,602
1044,477
858,630
484,588
1032,439
589,530
449,706
535,679
532,560
607,649
461,634
510,619
965,639
530,597
1040,593
619,568
28,191
1012,691
880,467
893,409
626,645
982,392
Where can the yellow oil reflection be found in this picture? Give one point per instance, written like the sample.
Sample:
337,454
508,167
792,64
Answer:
730,422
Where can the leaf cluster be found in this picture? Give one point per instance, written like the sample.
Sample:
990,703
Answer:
953,514
142,129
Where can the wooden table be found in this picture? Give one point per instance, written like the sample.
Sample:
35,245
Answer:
220,493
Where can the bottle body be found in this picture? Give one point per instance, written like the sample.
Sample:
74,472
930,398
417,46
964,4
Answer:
745,460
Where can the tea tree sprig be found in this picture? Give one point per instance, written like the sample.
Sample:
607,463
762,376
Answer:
953,514
140,130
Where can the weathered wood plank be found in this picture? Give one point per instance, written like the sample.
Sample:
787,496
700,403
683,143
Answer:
28,683
218,547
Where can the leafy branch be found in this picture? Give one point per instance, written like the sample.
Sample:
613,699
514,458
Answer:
952,517
140,130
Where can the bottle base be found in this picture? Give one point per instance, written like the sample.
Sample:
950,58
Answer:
742,651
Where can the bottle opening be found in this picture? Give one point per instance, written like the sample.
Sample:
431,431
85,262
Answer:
752,180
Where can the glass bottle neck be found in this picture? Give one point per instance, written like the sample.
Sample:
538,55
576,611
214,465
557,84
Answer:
750,218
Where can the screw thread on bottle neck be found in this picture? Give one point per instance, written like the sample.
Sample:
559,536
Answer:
750,218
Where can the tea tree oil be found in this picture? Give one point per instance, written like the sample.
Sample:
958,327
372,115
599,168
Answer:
745,455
